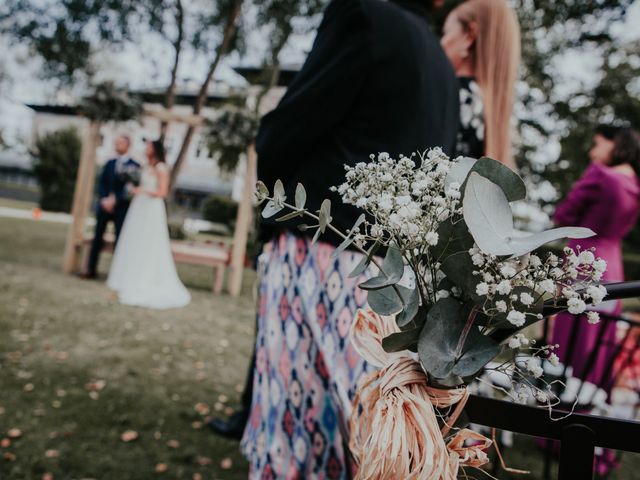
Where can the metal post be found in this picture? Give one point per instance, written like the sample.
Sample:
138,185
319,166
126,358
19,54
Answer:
576,453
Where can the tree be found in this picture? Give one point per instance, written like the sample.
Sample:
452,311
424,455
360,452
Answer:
225,17
56,158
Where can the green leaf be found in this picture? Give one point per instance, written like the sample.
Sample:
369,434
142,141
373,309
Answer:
301,196
324,214
261,191
386,301
342,247
438,343
458,268
316,236
412,305
488,215
278,192
366,260
509,181
397,342
271,209
288,216
390,273
453,236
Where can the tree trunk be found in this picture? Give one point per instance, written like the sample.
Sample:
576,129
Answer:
201,99
170,96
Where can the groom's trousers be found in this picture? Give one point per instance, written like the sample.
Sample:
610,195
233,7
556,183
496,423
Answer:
102,220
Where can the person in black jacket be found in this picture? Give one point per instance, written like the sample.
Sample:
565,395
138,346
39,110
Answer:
376,80
113,200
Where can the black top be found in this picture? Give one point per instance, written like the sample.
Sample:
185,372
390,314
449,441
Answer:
471,134
376,80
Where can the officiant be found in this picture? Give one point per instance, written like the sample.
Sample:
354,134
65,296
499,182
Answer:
113,199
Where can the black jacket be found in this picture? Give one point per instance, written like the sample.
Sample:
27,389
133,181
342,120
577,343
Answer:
376,80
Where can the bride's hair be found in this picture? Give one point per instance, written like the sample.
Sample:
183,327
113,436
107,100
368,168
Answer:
496,58
158,151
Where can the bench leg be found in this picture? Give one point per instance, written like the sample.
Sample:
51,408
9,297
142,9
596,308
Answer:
218,278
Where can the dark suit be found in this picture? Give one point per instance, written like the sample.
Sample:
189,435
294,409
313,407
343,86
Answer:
110,182
376,80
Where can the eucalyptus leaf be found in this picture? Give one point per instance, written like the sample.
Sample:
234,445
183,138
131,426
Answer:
289,216
316,236
261,190
412,305
458,267
459,171
509,181
271,209
397,342
278,192
324,215
438,343
389,300
342,247
301,196
390,273
365,261
488,215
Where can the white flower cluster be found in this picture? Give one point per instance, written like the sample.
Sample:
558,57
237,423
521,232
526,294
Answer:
407,201
513,288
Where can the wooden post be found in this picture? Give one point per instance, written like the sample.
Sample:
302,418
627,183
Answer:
82,197
243,224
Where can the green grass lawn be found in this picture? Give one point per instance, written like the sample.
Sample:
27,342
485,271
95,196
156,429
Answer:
78,370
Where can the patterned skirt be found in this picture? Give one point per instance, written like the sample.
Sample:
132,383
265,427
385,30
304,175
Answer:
306,370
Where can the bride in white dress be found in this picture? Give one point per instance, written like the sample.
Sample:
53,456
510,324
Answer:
142,270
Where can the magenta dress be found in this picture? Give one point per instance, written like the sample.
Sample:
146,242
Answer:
608,202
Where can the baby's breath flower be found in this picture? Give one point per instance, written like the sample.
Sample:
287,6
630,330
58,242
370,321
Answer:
516,318
501,306
526,299
593,317
482,288
576,305
504,287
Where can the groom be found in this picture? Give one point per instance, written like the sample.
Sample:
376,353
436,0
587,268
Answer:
113,200
376,80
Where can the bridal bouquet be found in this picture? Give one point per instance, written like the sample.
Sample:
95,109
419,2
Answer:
461,283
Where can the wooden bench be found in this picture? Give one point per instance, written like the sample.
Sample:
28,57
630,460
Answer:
210,255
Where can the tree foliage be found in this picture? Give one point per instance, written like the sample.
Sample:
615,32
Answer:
56,158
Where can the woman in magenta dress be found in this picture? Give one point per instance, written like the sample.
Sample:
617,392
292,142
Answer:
607,200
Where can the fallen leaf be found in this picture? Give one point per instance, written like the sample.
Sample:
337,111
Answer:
9,457
218,407
202,408
197,425
28,387
47,476
157,435
96,386
5,443
173,444
197,476
129,436
14,433
94,395
229,411
53,435
203,461
52,454
199,365
56,404
226,463
161,468
223,398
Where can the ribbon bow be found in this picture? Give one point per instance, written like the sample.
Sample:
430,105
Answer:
394,427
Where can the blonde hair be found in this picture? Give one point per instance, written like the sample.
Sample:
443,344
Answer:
496,58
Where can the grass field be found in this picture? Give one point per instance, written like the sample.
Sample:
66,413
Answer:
78,371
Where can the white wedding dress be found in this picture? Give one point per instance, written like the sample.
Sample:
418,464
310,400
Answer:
142,270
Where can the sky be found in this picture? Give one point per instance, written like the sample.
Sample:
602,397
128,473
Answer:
132,66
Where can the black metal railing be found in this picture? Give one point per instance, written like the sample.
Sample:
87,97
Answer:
578,434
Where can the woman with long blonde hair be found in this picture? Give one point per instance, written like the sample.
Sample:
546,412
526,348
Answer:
482,40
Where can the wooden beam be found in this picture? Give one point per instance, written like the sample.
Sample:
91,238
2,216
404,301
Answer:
170,116
243,223
82,197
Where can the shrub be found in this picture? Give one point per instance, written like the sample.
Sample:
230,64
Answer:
56,159
218,209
